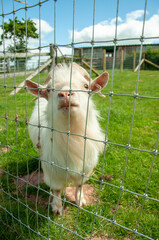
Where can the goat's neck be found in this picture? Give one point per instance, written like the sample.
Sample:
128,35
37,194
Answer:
76,124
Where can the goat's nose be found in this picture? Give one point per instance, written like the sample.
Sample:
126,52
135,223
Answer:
65,94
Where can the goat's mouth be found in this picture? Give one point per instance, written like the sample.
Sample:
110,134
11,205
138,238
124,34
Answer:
66,106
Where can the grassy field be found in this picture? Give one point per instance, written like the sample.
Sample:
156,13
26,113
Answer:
143,136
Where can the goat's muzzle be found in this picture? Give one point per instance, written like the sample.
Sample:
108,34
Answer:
64,99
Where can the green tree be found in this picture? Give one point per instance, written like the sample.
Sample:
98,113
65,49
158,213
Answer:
16,30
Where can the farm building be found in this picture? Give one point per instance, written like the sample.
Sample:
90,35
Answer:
127,55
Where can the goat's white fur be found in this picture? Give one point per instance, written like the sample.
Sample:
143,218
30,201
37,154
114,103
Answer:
48,115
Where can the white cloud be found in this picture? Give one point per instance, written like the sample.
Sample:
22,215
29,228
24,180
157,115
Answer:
45,30
34,42
113,21
131,27
135,15
65,51
44,26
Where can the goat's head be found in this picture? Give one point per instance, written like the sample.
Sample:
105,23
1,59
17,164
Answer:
68,92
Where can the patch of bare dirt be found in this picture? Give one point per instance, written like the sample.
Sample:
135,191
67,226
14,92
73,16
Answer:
36,177
113,210
107,177
105,237
101,238
3,150
1,173
89,193
32,179
41,201
156,121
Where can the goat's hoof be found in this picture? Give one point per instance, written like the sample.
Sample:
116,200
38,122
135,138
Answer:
82,202
57,212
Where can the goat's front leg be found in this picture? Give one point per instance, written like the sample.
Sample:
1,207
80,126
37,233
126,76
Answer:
57,203
79,197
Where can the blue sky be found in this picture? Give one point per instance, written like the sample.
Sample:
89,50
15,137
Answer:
130,19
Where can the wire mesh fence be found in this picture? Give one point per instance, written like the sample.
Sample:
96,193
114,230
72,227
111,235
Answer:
120,205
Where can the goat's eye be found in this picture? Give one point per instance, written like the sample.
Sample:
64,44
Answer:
86,86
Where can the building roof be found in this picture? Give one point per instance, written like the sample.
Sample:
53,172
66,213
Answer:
122,45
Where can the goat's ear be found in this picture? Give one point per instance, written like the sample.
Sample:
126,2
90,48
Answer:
36,89
100,82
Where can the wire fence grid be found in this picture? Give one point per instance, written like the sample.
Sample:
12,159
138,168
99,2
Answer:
9,218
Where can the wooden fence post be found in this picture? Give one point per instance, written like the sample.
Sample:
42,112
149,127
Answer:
56,58
8,65
134,60
51,51
80,55
144,61
122,60
53,54
104,60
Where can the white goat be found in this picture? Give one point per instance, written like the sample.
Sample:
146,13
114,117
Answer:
52,110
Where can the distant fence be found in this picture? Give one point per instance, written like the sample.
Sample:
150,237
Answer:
102,59
4,66
21,61
127,57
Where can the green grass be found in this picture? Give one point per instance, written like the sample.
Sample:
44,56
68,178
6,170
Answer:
143,136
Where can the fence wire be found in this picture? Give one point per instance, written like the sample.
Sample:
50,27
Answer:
11,216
